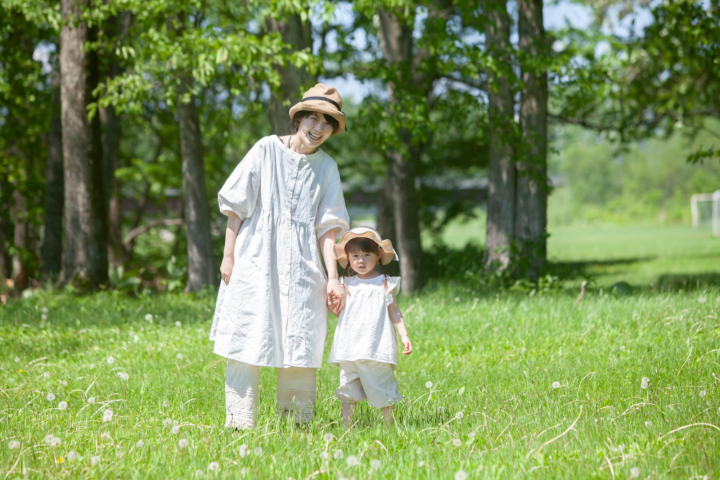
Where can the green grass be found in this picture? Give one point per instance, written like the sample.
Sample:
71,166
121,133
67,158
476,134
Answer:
494,360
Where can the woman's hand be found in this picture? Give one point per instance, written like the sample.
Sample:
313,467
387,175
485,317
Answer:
405,340
226,268
335,298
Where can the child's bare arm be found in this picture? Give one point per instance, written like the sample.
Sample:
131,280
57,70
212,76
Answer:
399,322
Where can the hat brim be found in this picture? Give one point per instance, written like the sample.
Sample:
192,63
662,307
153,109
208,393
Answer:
388,252
320,107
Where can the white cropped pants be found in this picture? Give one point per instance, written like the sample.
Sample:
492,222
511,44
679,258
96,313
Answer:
295,396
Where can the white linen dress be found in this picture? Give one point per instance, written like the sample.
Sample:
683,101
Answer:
273,311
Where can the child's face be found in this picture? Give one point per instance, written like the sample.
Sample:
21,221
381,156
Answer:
363,262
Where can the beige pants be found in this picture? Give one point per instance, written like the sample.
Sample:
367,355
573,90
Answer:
296,393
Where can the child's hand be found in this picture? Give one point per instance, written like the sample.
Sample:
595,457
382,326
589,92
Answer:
407,344
336,306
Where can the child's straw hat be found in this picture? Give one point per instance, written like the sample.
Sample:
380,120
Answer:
325,100
387,254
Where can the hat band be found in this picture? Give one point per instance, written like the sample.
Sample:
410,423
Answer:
325,100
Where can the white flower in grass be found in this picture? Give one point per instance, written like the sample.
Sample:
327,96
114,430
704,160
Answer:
199,474
148,317
17,359
122,375
167,422
178,324
461,391
139,444
441,409
179,356
375,464
634,472
556,384
62,406
648,424
419,451
338,454
46,375
352,461
50,397
94,460
43,316
63,383
460,475
457,442
421,464
175,430
55,442
119,454
703,393
13,445
44,310
457,299
136,338
258,451
92,366
165,404
214,466
91,400
324,455
243,450
459,415
523,350
644,383
48,439
622,348
702,300
428,385
108,413
182,444
72,455
110,360
328,437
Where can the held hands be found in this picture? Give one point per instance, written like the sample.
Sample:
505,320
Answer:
226,268
335,297
405,340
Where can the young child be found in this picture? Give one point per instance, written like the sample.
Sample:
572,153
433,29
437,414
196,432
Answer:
365,346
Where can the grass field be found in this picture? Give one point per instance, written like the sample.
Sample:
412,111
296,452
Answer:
521,387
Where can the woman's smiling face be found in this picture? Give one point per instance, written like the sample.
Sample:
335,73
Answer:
313,130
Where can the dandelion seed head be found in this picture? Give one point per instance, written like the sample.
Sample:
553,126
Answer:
119,454
460,475
375,464
182,444
175,430
107,418
92,366
634,472
140,444
165,404
523,350
338,454
702,300
421,464
441,409
328,437
48,439
457,299
94,460
43,316
46,375
63,383
17,359
55,442
324,455
199,474
258,451
419,451
167,422
148,317
459,415
44,310
62,405
108,413
556,384
50,397
214,466
179,356
622,348
352,461
13,445
72,455
457,442
178,324
110,360
648,424
703,393
105,436
91,400
428,385
243,450
122,375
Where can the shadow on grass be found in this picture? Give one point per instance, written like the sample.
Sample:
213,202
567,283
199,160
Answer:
581,269
688,282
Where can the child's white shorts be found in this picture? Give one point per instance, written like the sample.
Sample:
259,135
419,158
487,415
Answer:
365,379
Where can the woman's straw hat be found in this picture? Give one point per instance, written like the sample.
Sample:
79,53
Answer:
387,254
325,100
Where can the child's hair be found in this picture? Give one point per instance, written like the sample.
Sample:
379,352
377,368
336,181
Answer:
364,245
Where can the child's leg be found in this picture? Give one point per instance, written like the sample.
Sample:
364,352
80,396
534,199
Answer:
381,386
241,390
296,393
350,391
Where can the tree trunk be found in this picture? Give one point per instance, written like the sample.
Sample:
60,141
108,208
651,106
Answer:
54,190
297,33
21,238
501,167
386,216
117,28
532,186
396,45
85,211
201,264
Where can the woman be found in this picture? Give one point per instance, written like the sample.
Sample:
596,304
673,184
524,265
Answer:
282,201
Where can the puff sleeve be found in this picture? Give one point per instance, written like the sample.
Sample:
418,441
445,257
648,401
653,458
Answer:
242,189
331,213
393,284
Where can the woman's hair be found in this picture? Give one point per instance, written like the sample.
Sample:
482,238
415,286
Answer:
295,122
363,245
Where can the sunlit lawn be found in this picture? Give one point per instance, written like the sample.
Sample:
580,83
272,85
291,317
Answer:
502,387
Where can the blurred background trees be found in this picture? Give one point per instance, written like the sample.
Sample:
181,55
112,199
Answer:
120,120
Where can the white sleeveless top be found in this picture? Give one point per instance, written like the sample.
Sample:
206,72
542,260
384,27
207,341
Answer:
364,330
